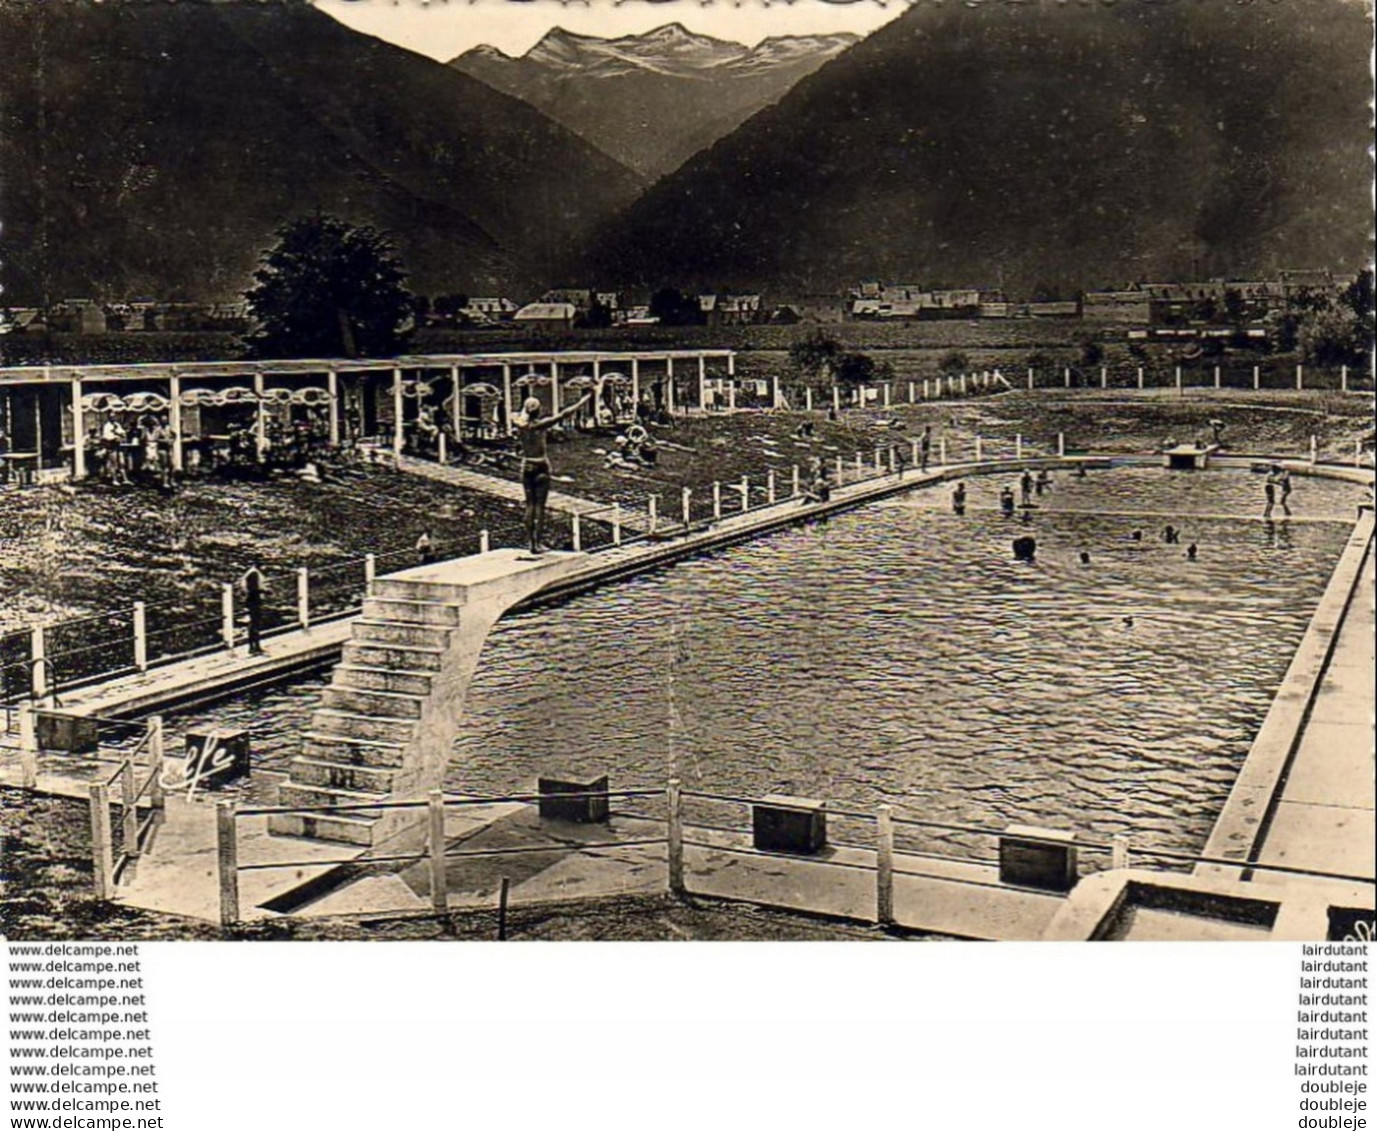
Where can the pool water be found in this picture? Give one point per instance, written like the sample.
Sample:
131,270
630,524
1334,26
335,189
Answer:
899,654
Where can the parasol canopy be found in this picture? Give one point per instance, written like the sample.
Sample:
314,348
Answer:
483,391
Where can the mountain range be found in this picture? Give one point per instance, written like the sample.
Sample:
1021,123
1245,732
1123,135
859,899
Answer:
153,149
1023,144
652,100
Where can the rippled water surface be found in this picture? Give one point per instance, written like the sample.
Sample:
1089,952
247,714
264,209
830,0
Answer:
898,653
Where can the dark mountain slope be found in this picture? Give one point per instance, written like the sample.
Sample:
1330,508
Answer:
153,148
1074,145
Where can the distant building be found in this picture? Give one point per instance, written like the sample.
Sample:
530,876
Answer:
489,309
580,298
640,316
1133,307
1067,309
729,310
77,316
547,315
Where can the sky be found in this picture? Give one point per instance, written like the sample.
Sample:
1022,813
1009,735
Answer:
443,29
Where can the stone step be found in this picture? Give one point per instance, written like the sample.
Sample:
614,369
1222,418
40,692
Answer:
377,704
340,828
367,631
350,724
395,657
399,588
344,750
409,610
332,775
316,796
369,678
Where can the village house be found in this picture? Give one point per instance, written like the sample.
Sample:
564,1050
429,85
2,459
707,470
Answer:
489,309
546,316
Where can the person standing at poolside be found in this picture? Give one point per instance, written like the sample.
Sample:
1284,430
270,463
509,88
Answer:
532,431
1025,485
924,447
1284,485
253,586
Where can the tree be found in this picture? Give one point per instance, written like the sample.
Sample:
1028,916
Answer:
329,289
674,308
855,369
814,356
954,361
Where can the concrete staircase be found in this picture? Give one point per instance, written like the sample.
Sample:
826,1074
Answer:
387,720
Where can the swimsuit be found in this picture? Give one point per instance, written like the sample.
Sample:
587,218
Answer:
535,478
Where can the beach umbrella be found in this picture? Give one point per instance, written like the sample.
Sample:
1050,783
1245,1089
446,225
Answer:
235,394
579,383
532,380
102,402
277,396
311,396
483,391
417,389
145,402
616,380
200,396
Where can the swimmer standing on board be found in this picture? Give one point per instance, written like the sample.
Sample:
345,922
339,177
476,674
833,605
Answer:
532,430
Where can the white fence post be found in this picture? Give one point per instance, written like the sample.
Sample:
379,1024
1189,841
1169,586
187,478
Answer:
910,393
686,500
884,865
979,448
716,499
370,569
38,662
1343,378
1178,378
439,880
1216,377
942,451
102,848
652,511
1140,376
675,836
28,746
129,811
1300,377
303,597
770,485
1104,377
1067,374
745,494
140,637
840,469
1061,443
227,615
227,862
577,532
1018,445
1257,377
1118,852
156,753
794,483
616,524
1314,449
879,461
1030,378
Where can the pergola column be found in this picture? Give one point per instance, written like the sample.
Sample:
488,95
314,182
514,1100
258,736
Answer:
554,386
636,385
507,395
332,386
669,385
702,382
78,432
260,416
456,403
174,421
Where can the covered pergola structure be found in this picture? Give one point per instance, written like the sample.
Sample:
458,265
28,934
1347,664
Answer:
52,415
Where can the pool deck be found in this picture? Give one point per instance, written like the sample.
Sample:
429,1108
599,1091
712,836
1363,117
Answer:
1304,798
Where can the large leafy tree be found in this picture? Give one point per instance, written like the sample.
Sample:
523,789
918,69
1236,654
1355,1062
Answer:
329,288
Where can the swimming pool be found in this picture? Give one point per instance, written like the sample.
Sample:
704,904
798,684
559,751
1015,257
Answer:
899,654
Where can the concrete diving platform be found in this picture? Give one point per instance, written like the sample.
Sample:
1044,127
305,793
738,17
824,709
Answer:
388,718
